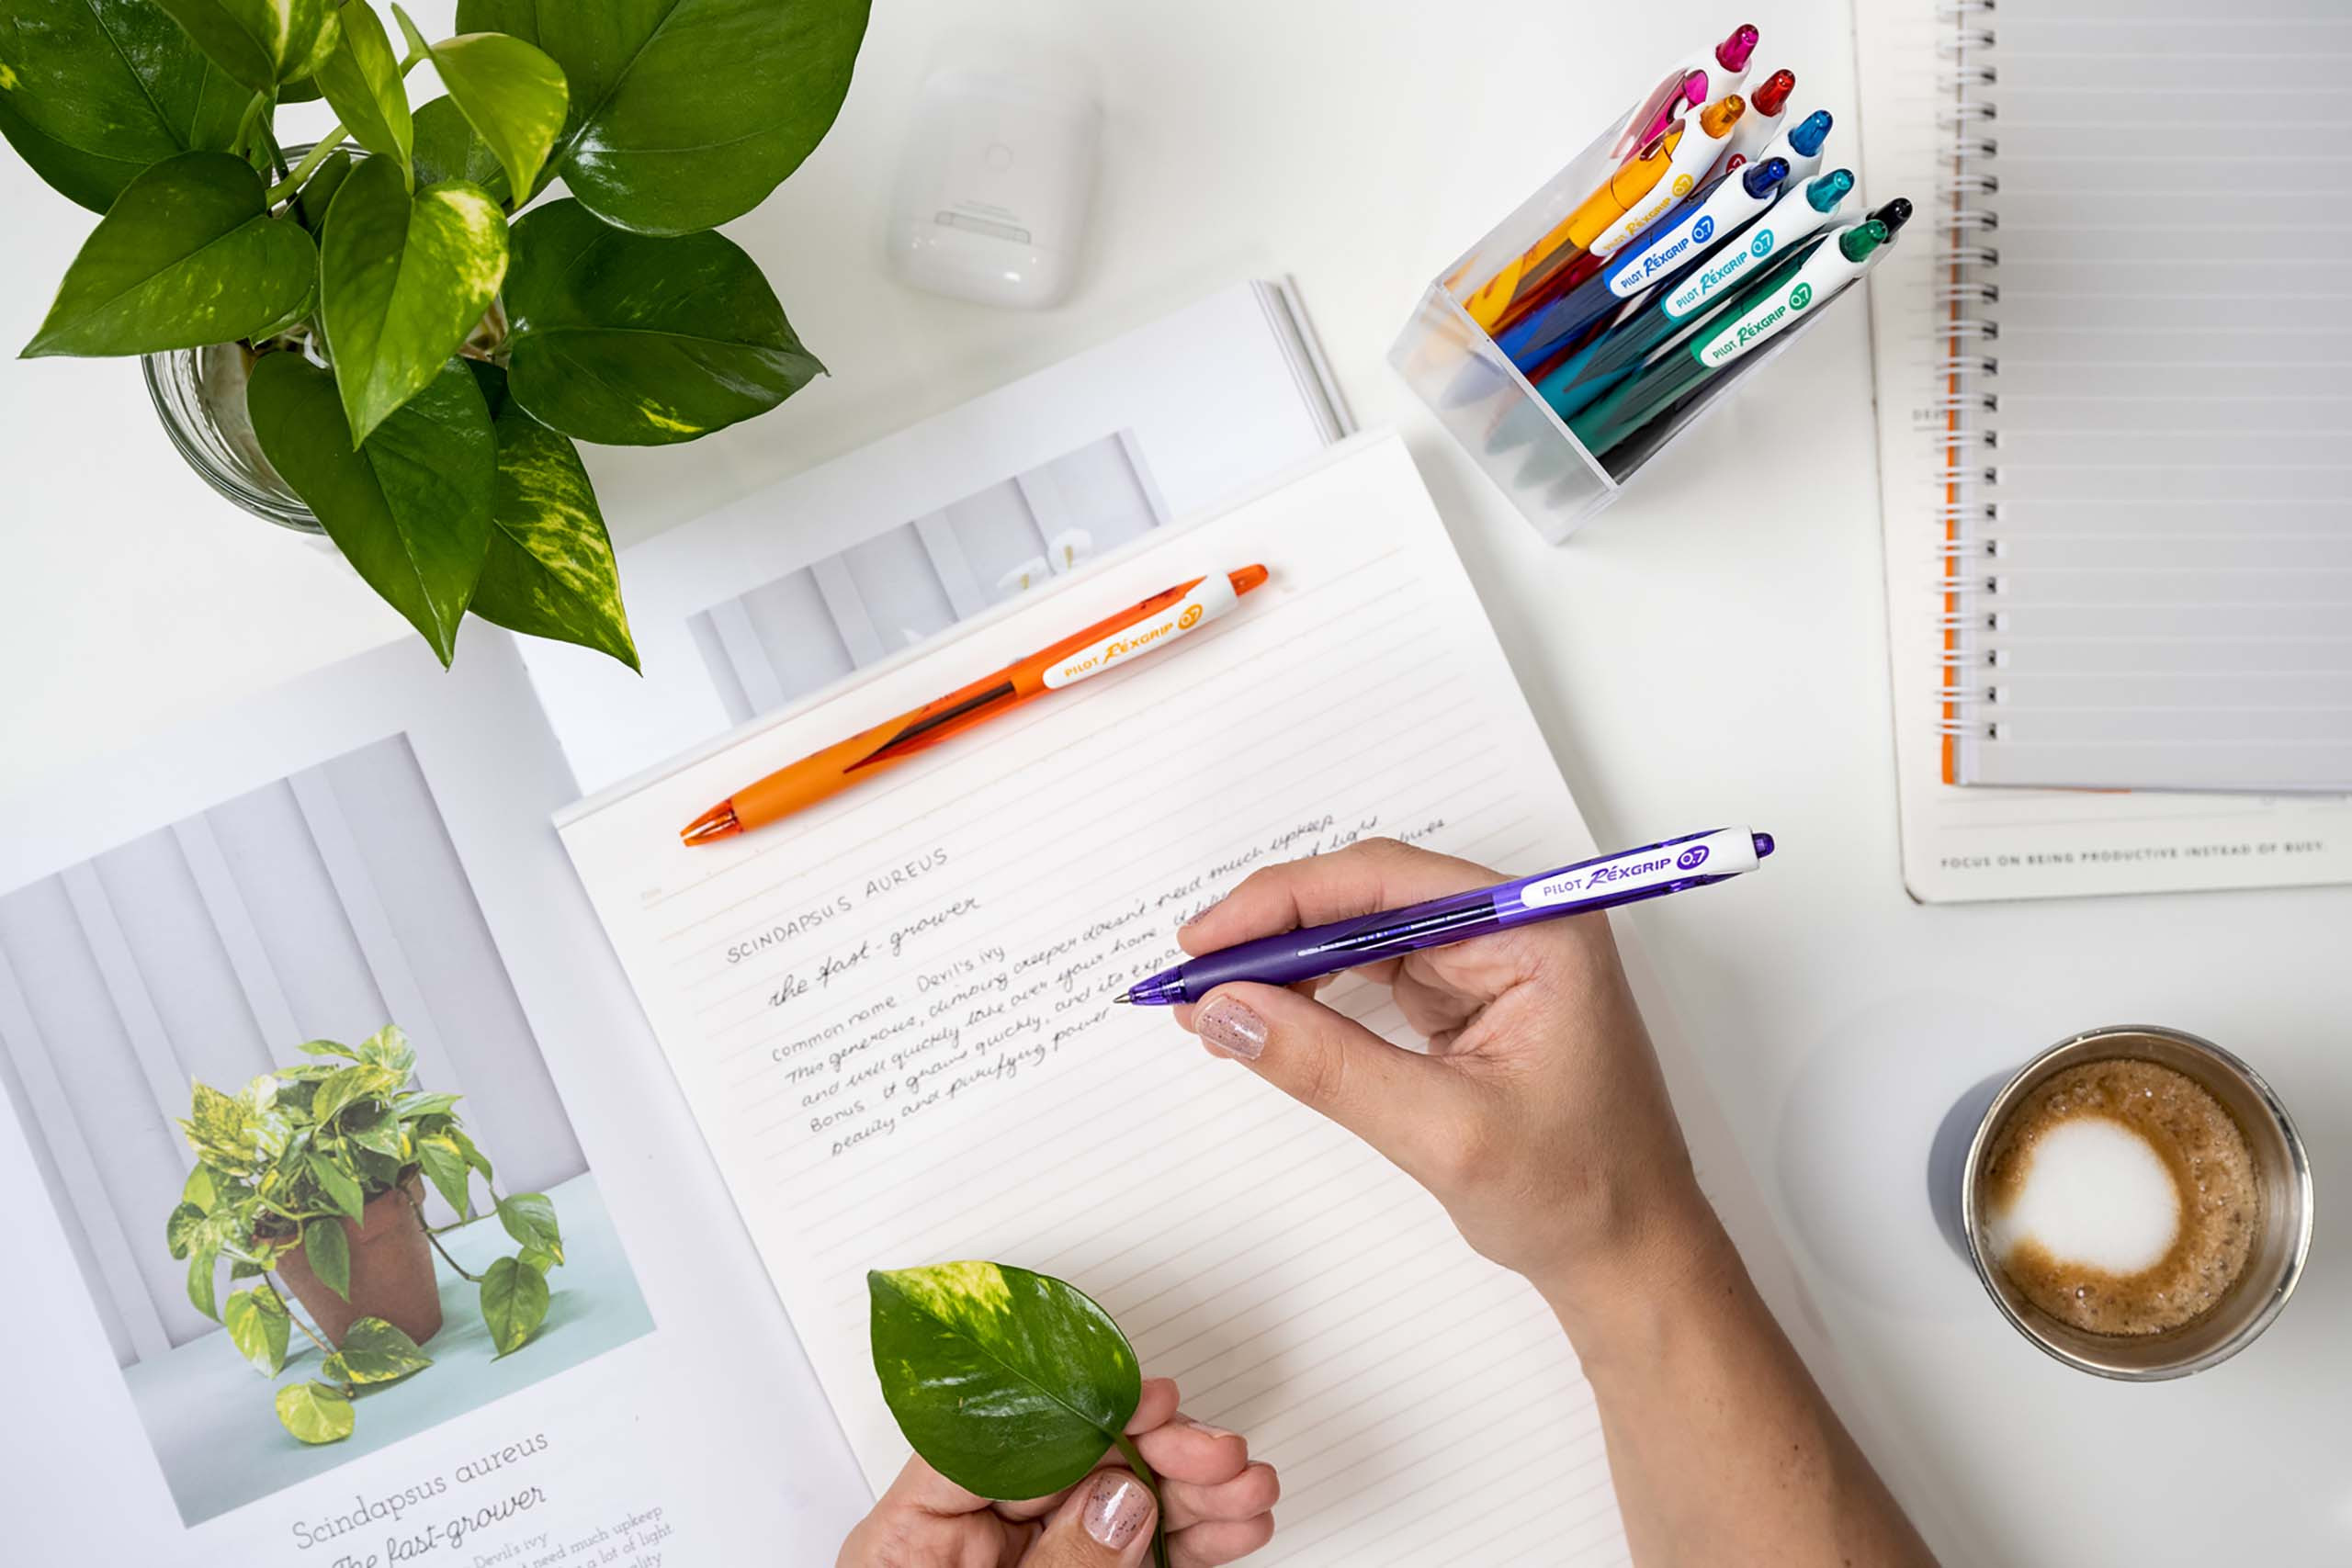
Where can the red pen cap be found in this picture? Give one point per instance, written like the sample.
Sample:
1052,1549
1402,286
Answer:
1773,96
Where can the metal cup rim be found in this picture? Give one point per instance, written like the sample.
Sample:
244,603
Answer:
2028,1076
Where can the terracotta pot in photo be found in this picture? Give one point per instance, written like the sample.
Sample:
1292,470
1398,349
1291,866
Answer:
391,1271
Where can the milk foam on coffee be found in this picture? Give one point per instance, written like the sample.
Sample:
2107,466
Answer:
2120,1197
2095,1193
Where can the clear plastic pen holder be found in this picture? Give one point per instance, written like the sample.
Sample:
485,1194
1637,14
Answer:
1488,406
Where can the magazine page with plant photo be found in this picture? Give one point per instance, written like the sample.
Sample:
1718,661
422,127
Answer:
355,1218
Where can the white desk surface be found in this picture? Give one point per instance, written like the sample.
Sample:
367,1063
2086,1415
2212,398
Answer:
1697,655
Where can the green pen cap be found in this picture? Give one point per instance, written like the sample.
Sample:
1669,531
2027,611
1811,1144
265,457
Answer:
1829,189
1861,240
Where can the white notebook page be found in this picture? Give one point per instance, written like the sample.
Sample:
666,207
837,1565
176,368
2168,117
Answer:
2112,119
891,1017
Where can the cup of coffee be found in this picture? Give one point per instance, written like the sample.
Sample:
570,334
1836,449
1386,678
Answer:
2137,1203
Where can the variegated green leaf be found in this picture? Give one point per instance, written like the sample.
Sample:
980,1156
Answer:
509,91
375,1351
686,113
180,1229
448,149
529,1218
314,1411
342,1187
1012,1385
188,256
260,42
630,340
257,1323
327,1250
446,1169
513,1303
361,80
403,280
93,93
409,508
550,571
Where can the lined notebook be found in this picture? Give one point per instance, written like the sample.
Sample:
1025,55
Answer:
2113,404
890,1016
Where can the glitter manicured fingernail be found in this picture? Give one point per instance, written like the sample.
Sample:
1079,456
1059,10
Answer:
1230,1027
1117,1509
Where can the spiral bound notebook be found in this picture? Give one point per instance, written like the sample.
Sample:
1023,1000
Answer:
2112,409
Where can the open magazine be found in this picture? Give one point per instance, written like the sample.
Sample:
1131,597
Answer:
371,845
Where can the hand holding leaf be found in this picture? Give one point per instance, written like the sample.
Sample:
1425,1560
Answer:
1013,1387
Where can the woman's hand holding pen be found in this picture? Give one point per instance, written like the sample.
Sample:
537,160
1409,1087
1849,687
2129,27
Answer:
1538,1118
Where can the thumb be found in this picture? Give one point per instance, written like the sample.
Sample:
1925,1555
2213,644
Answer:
1104,1523
1393,1098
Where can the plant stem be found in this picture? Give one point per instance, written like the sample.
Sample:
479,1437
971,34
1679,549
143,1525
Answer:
245,124
325,1348
1151,1483
436,1240
303,170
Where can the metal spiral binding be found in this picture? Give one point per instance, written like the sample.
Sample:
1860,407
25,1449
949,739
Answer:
1972,574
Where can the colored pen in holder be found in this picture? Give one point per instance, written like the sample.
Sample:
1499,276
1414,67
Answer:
1615,287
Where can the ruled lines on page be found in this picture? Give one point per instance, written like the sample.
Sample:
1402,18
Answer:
891,1016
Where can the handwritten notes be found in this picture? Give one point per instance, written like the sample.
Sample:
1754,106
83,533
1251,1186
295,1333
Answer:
892,1018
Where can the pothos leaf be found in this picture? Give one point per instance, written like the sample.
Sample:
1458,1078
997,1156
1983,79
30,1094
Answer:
402,279
97,91
448,149
1010,1383
687,113
327,1250
630,340
342,1187
314,1411
374,1351
258,1324
198,1190
550,571
507,89
446,1169
529,1218
361,80
409,508
260,42
513,1303
179,1231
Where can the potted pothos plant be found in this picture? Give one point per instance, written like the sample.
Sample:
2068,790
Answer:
412,354
312,1178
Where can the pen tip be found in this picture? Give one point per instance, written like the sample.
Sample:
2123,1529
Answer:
1123,999
718,822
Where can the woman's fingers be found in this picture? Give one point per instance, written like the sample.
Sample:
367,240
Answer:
1105,1522
1407,1106
1373,874
919,1486
1225,1540
1250,1492
1184,1449
1158,1404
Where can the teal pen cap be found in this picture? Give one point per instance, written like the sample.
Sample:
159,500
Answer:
1859,240
1827,192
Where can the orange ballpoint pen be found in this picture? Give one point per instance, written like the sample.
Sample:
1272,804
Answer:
1107,644
1631,182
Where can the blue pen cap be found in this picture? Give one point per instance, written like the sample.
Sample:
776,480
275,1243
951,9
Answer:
1807,138
1763,177
1829,189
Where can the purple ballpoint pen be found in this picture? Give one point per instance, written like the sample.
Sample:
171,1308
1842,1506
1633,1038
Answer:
1628,876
